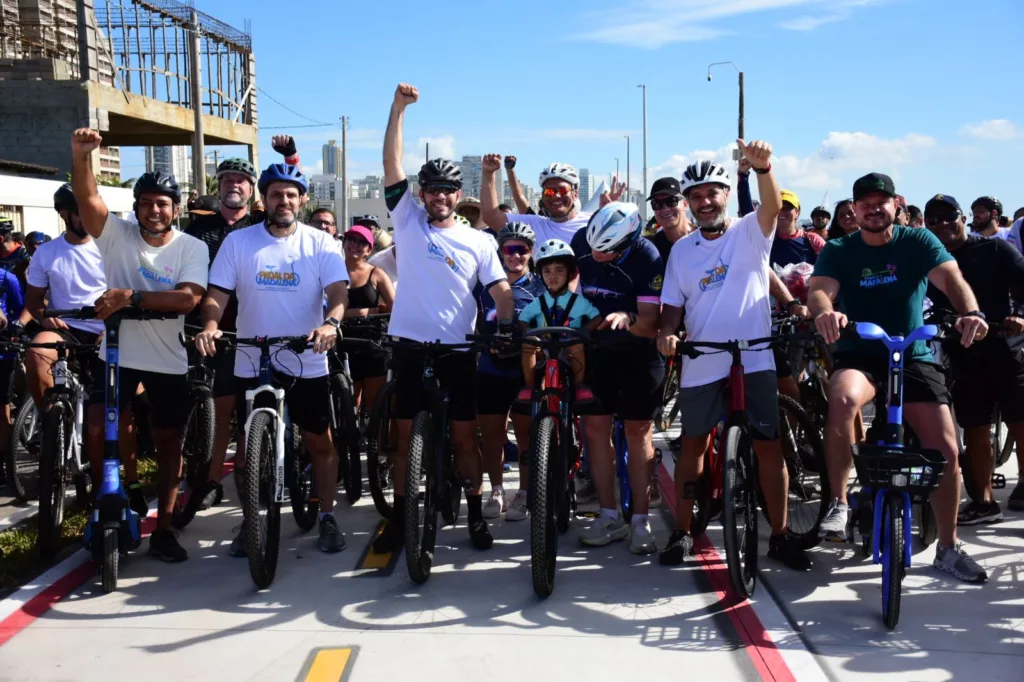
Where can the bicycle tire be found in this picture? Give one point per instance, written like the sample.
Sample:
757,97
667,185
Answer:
740,503
23,452
197,451
671,388
302,491
109,559
892,560
52,478
543,498
927,526
346,435
805,534
259,488
420,536
381,473
1004,450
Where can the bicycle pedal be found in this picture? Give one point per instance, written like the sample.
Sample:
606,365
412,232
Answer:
998,481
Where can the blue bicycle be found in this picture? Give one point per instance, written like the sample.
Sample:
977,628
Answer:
113,527
893,476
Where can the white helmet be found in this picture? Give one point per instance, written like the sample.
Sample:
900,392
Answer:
560,171
551,249
614,227
704,173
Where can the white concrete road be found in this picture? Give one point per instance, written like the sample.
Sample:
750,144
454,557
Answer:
612,616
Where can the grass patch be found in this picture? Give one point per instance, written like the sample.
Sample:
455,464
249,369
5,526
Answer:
20,560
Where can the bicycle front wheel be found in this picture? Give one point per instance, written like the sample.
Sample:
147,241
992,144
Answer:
196,451
544,482
1002,442
23,453
262,513
739,514
893,549
52,478
380,434
420,528
346,436
671,388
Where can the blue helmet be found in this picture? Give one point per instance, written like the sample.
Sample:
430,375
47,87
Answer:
283,172
37,238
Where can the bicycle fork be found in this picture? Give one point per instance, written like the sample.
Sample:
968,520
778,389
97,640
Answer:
279,429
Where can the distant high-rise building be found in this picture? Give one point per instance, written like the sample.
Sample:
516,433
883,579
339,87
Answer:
332,159
586,186
472,173
110,163
172,160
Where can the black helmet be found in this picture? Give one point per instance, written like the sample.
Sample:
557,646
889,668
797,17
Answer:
64,199
159,183
237,166
438,171
990,203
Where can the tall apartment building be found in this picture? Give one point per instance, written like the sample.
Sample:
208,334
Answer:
586,186
110,163
332,159
172,160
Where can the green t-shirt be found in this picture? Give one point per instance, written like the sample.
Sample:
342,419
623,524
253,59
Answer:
883,284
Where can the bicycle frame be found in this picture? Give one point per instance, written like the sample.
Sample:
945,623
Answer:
279,414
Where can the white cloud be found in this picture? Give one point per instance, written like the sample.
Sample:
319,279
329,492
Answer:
654,23
441,146
309,171
995,129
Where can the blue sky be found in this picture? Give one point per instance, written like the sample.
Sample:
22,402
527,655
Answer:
928,91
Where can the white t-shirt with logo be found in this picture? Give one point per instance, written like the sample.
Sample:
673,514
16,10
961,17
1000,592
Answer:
386,261
130,263
546,228
74,275
1014,235
440,268
279,283
722,284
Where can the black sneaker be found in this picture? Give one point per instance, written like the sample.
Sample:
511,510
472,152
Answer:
391,539
975,513
480,534
783,548
1016,501
163,544
212,495
331,539
676,444
679,546
136,500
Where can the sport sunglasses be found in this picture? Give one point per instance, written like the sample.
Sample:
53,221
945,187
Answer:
515,250
671,202
561,191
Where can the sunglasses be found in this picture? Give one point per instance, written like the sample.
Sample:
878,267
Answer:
671,202
440,189
561,192
948,218
515,250
322,223
355,240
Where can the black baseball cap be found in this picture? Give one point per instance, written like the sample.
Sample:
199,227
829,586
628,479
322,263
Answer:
665,186
939,201
206,205
820,209
873,182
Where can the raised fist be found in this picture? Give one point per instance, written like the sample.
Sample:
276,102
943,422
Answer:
85,141
283,145
406,94
510,162
491,163
757,153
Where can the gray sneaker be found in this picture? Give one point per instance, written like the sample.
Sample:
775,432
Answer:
331,539
604,531
954,560
238,544
833,526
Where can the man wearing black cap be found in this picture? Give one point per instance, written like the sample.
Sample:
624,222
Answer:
882,272
820,217
988,377
669,206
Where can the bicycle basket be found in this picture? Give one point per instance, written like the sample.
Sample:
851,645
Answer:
916,471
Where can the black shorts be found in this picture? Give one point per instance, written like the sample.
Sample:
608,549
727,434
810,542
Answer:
7,367
457,374
308,401
496,394
986,382
626,381
167,393
367,364
923,382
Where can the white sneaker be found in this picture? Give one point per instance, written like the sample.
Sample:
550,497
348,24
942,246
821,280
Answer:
495,504
604,531
640,540
518,510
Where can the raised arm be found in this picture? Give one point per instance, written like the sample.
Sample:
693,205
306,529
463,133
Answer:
91,208
404,96
743,197
518,196
759,153
494,218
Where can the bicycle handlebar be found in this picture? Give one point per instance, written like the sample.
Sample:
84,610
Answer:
127,313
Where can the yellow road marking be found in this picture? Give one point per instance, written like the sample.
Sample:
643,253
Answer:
373,559
329,665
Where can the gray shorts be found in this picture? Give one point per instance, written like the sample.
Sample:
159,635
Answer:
702,407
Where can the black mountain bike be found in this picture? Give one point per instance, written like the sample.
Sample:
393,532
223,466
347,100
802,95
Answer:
197,441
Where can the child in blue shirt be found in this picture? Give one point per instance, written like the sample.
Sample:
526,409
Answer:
557,307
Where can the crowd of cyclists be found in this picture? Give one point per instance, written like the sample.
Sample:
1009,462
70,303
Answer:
473,265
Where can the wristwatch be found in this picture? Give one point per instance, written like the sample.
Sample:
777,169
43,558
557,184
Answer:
974,313
136,298
334,322
792,302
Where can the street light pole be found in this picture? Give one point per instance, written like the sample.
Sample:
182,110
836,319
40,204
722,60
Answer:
627,167
741,134
644,89
616,166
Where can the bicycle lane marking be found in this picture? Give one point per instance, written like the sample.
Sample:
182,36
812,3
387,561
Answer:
332,664
770,662
29,603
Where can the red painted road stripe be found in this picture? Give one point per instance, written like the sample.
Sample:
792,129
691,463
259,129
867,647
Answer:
764,655
38,605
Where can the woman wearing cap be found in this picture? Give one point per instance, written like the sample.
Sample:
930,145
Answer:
369,292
